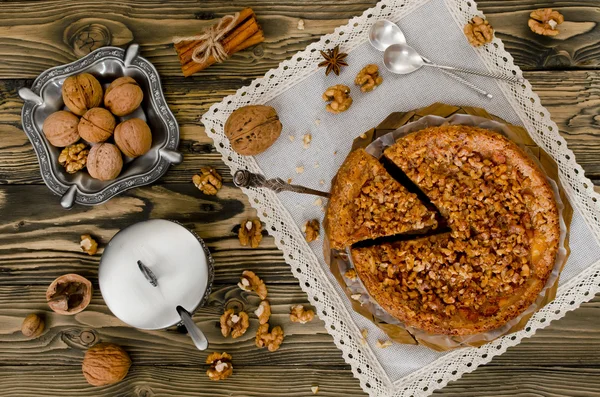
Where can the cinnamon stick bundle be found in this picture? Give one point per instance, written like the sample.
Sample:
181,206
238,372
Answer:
246,33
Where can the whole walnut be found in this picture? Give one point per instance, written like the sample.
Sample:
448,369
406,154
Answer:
60,128
33,326
105,364
123,96
104,161
81,93
252,129
96,125
133,137
69,294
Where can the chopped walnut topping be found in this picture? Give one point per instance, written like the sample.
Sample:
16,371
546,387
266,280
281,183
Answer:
311,230
306,139
263,312
251,282
220,366
479,32
544,21
74,157
314,389
208,181
234,324
368,78
88,244
300,315
351,274
271,340
250,232
383,345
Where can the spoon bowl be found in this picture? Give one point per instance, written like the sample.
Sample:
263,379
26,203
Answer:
402,59
384,33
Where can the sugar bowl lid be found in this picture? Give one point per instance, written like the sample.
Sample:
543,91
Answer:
151,268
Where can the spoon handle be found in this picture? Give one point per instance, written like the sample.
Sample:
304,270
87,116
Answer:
456,77
476,72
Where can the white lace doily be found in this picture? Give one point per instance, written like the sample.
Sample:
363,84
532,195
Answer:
433,27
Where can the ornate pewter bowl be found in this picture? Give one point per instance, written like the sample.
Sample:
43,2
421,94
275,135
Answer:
106,64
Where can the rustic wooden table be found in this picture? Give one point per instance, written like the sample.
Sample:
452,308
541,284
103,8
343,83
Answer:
39,240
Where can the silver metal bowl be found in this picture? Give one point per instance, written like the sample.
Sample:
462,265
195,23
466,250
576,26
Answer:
106,64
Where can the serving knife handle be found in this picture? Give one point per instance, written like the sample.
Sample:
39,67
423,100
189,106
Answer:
244,178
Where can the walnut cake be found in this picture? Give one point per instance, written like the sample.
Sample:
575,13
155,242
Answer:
500,246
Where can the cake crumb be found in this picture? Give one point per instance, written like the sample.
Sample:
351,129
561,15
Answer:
300,24
291,138
317,165
306,139
383,345
318,122
321,182
299,170
318,202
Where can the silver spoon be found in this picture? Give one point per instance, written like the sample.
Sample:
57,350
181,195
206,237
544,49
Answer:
385,33
403,59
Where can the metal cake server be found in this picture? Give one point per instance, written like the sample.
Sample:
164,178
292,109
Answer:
244,178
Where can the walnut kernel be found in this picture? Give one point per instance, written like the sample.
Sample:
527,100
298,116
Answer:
33,326
250,233
479,32
311,230
88,244
74,157
220,366
368,78
271,340
251,282
339,98
263,312
208,181
300,315
544,21
234,324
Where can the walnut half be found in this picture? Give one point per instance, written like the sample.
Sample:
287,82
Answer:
479,32
251,282
263,312
368,78
300,315
234,324
544,21
339,98
208,181
271,340
250,232
220,366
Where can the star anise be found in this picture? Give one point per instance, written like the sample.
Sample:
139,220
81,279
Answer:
334,60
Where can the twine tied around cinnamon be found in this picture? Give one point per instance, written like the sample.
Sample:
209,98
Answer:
211,40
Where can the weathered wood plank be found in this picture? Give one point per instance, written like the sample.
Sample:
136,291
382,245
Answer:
36,36
572,97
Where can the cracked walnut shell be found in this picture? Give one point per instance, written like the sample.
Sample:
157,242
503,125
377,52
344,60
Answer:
133,137
81,93
251,282
250,233
220,366
33,326
368,78
298,314
271,340
69,294
479,32
123,96
252,129
105,364
339,98
234,324
311,230
88,244
544,21
263,312
96,125
208,181
60,128
74,157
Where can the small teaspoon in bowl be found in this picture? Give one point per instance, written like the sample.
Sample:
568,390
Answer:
403,59
385,33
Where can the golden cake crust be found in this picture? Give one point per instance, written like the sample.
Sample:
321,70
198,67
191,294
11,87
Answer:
503,242
366,203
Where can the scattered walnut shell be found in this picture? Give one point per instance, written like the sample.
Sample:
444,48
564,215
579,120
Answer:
234,324
208,181
105,364
339,98
104,162
96,125
311,230
544,21
298,314
271,340
88,244
251,282
69,294
220,366
123,96
479,32
252,129
133,137
60,128
81,93
250,232
74,157
368,78
33,326
263,312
